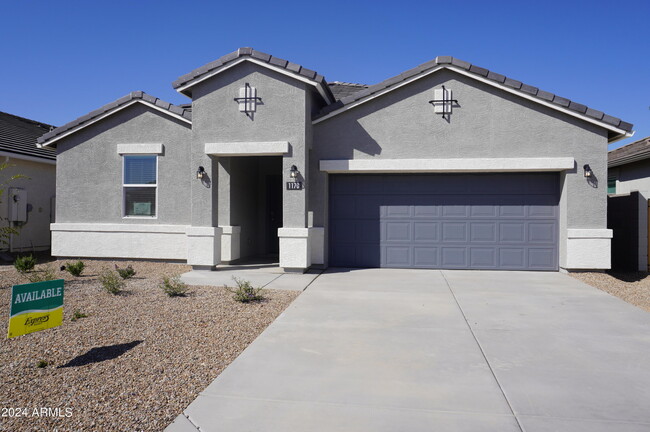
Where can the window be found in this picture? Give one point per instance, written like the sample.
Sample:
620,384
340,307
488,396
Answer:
140,185
611,185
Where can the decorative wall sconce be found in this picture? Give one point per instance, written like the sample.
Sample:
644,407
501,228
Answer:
293,173
587,170
200,173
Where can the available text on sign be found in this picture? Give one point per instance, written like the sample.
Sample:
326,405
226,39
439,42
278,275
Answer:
35,306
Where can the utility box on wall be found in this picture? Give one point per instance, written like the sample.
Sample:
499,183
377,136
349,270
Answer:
17,205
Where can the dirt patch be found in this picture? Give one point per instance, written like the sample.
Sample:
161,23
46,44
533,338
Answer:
633,287
135,362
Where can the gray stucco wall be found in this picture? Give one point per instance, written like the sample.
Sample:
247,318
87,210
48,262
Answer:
89,169
281,116
489,123
632,177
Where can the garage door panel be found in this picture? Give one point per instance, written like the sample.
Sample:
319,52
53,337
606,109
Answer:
487,221
483,258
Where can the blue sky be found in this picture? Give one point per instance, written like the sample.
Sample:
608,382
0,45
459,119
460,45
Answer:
62,59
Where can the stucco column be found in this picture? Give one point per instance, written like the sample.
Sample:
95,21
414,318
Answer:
204,235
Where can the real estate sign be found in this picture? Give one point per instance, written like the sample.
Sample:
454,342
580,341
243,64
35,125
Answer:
35,306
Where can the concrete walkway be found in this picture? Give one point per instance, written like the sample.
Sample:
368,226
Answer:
423,350
270,277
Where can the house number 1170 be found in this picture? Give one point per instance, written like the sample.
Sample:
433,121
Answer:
294,185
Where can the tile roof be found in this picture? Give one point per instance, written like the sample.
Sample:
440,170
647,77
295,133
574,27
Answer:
18,135
638,150
454,63
136,95
344,89
223,61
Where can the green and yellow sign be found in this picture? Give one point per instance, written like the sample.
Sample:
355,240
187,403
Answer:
35,306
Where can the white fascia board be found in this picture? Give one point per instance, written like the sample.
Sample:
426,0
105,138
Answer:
109,113
277,69
28,158
621,132
447,165
261,148
154,148
629,159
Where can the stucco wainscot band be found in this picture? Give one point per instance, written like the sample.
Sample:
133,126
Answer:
295,250
203,246
588,249
147,241
230,243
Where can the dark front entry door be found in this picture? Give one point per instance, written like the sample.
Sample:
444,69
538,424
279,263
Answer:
273,212
452,221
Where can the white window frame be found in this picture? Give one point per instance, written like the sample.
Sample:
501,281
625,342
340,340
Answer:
124,186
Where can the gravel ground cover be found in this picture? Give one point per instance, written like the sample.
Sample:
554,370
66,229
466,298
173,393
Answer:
135,362
632,287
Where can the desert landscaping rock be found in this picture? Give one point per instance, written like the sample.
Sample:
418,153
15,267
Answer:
136,361
632,287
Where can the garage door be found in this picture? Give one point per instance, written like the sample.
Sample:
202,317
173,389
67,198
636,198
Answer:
449,221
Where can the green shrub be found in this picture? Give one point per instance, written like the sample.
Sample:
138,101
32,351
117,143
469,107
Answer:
245,292
25,263
173,287
42,275
41,364
111,281
74,269
78,315
126,272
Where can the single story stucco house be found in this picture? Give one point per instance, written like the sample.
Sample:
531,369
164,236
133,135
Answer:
446,165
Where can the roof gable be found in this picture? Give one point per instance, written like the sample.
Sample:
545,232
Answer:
180,113
618,128
186,82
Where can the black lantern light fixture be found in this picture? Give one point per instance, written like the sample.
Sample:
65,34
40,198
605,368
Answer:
587,170
200,173
293,173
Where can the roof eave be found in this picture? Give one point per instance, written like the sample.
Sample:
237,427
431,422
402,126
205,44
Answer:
325,92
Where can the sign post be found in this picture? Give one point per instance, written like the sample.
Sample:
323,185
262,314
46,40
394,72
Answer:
35,306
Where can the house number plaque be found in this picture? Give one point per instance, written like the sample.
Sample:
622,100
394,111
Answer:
294,185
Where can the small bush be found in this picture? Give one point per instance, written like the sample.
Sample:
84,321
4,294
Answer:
25,263
45,274
41,364
245,292
74,269
126,272
78,315
173,287
111,281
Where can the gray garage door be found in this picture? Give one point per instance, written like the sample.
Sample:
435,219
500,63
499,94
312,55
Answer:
451,221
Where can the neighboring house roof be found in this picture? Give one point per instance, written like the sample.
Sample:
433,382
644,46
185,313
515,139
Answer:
344,89
184,83
636,151
18,135
181,113
517,87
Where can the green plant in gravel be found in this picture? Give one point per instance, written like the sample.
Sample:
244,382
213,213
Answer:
25,263
126,272
245,292
173,287
42,275
111,281
41,364
75,268
78,315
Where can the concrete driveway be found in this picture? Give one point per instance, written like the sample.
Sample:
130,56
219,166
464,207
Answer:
423,350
